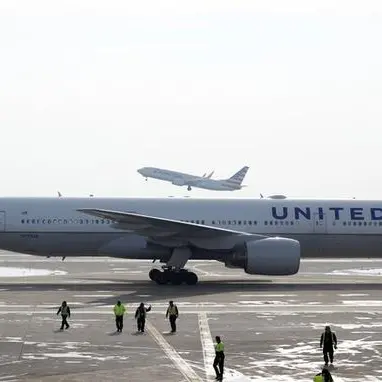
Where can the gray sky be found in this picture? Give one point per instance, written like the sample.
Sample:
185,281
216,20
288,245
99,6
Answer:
90,91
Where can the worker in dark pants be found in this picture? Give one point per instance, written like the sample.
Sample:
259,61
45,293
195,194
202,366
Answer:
65,313
140,315
119,311
328,341
219,358
172,313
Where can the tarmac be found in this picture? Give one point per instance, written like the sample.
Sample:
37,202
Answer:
271,326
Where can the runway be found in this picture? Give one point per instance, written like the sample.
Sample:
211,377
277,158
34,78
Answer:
270,326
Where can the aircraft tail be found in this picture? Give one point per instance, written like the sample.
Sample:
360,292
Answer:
238,178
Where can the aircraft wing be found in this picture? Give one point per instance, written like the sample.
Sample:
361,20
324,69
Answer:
156,227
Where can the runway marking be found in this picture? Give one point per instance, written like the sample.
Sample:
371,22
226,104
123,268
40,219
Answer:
209,353
172,354
93,295
207,345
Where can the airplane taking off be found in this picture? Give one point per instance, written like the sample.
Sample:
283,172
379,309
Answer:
181,179
260,236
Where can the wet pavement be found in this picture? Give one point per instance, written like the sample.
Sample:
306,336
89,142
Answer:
270,326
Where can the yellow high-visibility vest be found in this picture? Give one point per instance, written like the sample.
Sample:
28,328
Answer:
219,347
119,310
318,378
172,310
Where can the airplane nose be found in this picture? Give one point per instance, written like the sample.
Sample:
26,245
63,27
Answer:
140,171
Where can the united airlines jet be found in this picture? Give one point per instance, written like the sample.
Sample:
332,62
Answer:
181,179
260,236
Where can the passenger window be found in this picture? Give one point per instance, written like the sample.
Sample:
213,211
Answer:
276,222
265,223
271,222
239,222
292,223
202,222
255,222
22,221
250,222
213,222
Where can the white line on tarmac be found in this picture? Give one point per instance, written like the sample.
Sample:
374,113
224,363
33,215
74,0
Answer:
207,345
172,354
209,351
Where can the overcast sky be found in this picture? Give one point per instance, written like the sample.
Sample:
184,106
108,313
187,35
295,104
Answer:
90,91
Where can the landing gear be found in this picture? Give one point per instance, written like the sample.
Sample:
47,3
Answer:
173,272
189,188
174,277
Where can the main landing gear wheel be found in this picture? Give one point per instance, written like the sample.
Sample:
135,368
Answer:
173,277
153,274
189,188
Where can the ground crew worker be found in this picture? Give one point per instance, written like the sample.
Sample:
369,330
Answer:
119,310
65,313
219,358
328,341
172,313
323,376
140,315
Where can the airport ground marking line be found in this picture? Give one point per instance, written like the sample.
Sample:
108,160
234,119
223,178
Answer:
172,354
26,333
207,344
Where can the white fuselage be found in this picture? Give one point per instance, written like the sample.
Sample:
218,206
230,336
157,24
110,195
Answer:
182,179
53,226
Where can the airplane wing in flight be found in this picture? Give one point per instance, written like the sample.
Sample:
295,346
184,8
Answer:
162,228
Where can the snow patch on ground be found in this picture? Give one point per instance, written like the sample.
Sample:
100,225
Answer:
27,272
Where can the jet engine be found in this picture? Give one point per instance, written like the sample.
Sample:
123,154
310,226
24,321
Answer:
273,256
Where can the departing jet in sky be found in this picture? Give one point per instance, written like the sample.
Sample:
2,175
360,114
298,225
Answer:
181,179
261,236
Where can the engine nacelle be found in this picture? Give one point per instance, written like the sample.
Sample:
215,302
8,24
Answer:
178,182
273,256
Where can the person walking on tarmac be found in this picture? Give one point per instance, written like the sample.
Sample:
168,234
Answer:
323,376
140,315
119,311
219,359
328,341
65,313
172,313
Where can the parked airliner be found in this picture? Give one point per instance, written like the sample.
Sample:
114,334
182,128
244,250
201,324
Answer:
181,179
260,236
